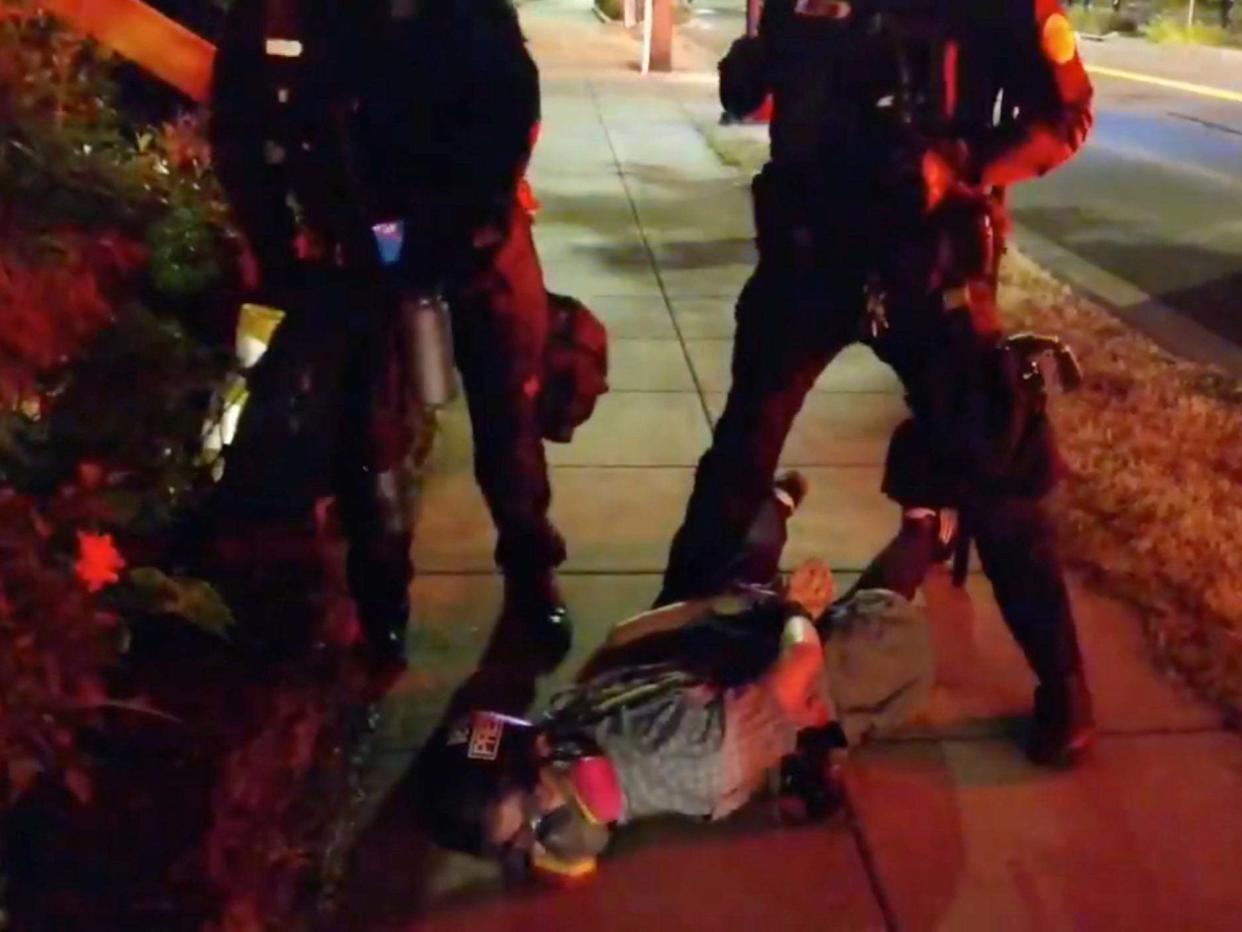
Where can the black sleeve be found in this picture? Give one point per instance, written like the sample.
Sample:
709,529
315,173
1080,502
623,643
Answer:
743,77
459,125
1047,95
237,133
507,90
745,71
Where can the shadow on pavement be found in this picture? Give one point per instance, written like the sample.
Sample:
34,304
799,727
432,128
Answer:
692,254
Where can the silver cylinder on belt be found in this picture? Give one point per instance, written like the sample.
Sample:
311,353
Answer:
429,347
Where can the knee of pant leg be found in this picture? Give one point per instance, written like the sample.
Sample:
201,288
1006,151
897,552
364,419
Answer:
912,659
736,484
510,464
767,307
531,547
1014,537
763,402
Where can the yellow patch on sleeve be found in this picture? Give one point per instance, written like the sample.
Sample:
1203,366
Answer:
1058,40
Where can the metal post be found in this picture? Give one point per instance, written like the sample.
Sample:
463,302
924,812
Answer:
661,48
648,18
754,9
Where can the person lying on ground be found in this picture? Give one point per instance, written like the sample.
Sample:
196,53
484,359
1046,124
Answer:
689,710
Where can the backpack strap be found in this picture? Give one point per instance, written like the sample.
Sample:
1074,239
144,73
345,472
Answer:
581,707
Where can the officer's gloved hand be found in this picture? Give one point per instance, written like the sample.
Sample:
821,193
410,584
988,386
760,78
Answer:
745,49
945,169
743,77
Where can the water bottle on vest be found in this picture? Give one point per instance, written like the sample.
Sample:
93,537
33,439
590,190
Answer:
429,345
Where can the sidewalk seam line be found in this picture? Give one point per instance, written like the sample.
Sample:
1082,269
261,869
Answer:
870,866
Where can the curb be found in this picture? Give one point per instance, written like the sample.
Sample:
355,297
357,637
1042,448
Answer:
1168,328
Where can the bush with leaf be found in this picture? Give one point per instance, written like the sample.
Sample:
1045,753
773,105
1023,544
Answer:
100,396
55,642
114,248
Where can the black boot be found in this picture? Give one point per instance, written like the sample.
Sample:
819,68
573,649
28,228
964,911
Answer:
533,600
1063,729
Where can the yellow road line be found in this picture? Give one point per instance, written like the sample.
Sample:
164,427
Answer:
1202,90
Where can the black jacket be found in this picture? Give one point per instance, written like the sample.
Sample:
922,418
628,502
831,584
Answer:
436,113
1001,76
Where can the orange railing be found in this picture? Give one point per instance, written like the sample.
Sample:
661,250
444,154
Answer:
147,37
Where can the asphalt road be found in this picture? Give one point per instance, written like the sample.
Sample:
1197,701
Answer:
1154,200
1148,217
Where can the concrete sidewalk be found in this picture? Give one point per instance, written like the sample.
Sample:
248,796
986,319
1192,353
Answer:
951,829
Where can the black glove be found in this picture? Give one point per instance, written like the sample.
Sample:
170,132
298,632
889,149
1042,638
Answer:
744,76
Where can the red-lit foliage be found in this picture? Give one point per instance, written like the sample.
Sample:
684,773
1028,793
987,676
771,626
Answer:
55,642
131,710
53,299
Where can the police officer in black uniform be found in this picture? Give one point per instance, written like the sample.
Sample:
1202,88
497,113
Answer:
897,125
329,116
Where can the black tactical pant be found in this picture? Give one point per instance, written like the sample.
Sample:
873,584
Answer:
330,414
500,328
499,310
792,320
500,320
322,421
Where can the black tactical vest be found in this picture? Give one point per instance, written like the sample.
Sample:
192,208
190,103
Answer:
314,72
858,82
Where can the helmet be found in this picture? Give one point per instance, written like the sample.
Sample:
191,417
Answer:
467,766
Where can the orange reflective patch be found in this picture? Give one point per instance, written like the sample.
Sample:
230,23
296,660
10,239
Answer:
1059,42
